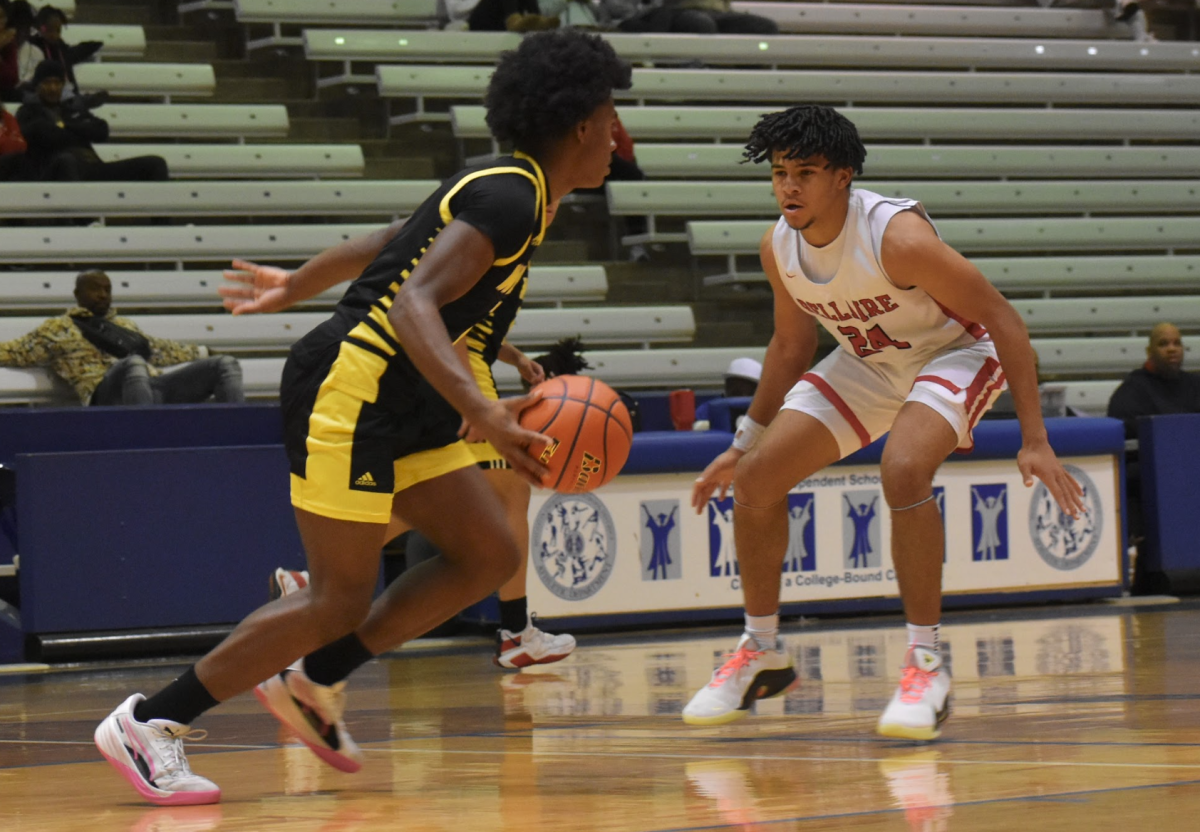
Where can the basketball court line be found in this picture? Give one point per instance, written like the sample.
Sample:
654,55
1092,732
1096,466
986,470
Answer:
955,805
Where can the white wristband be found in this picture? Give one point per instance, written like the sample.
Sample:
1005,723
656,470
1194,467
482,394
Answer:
747,434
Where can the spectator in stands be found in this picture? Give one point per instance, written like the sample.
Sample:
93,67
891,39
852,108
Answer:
1161,385
109,361
46,43
509,15
61,133
13,163
1130,11
698,17
16,19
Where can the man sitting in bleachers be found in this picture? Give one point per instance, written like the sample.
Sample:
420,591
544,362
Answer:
61,133
109,361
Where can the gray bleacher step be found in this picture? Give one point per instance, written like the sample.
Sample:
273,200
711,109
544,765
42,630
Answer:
399,168
179,51
325,129
257,89
127,14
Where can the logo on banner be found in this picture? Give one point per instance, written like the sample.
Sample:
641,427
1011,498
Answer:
659,541
939,499
860,529
1063,541
802,547
722,554
575,545
989,522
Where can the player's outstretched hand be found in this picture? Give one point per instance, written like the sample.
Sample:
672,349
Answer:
254,289
718,474
1041,462
498,425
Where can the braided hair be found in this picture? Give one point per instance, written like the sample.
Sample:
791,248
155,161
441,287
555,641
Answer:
807,130
564,358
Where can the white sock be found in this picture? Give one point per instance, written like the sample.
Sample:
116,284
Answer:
922,636
764,629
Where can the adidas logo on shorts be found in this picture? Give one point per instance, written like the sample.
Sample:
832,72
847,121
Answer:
366,481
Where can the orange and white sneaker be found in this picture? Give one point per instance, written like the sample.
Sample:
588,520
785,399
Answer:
750,674
922,702
314,714
530,646
286,581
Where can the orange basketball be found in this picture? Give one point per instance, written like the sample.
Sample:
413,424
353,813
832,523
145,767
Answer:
590,429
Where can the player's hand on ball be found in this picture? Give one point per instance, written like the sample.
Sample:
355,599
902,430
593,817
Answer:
513,404
1039,460
718,474
254,289
498,424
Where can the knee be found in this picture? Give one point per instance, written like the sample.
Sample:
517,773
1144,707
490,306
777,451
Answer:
339,609
907,478
751,484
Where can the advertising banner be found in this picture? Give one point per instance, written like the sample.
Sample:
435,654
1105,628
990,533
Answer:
636,545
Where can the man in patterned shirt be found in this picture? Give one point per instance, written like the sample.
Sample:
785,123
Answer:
107,359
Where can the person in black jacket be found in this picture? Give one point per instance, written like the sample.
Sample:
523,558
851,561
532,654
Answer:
1159,386
60,136
46,43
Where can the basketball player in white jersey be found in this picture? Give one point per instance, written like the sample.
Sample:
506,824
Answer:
925,344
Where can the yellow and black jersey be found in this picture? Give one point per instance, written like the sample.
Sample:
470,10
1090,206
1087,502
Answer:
486,337
505,200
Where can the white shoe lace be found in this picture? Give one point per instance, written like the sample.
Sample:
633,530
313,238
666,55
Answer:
169,747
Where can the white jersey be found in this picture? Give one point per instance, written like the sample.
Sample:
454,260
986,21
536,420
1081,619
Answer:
860,306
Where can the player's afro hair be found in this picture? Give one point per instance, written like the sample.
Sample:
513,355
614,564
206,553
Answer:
807,130
564,358
549,84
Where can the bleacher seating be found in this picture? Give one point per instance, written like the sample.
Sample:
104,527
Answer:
196,121
733,124
598,325
174,289
234,161
146,79
1092,356
909,19
1048,316
705,199
424,81
280,13
700,161
151,244
985,235
385,198
390,46
119,41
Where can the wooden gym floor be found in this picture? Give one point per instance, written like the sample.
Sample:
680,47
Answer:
1080,718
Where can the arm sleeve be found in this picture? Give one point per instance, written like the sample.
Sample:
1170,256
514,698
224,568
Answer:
27,351
163,352
502,206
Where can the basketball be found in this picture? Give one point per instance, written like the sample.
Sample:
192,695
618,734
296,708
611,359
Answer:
590,431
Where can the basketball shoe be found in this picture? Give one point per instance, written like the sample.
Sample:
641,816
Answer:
922,702
748,675
530,646
286,581
314,713
150,756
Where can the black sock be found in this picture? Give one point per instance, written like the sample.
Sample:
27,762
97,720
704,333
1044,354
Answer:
514,614
181,701
334,662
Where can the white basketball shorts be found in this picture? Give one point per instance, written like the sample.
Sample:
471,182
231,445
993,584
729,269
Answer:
858,400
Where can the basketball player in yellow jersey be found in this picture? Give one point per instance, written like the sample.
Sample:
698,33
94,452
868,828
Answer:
519,641
373,401
925,344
